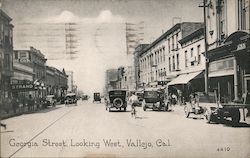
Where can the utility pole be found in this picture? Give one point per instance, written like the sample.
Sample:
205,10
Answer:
205,40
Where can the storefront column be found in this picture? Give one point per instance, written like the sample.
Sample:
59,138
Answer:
235,80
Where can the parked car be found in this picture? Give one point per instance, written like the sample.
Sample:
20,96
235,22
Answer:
97,97
116,99
50,100
154,99
70,98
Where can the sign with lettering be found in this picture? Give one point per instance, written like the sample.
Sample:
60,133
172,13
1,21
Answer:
22,87
241,46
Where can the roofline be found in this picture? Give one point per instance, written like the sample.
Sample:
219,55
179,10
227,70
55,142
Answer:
168,32
5,15
194,34
175,27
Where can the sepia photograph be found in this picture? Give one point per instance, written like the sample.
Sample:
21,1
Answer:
125,78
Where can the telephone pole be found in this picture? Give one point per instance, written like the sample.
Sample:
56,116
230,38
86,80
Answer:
204,6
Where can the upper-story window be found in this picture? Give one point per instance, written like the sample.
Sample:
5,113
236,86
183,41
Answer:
243,15
177,40
199,54
177,61
1,33
169,64
164,54
186,59
173,62
192,52
173,42
169,45
221,10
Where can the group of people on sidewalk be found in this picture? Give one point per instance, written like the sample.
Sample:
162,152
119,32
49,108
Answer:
19,105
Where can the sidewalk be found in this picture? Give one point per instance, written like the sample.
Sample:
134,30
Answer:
5,115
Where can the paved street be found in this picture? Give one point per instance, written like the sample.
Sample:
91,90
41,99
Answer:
87,130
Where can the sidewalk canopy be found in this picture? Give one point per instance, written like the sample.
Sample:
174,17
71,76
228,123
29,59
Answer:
185,78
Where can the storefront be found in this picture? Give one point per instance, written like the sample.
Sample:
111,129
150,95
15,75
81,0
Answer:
229,69
185,84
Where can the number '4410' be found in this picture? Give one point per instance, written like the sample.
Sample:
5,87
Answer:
223,149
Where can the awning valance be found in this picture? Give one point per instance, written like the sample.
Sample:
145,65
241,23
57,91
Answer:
184,79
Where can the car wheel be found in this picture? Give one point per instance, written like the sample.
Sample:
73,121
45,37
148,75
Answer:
109,109
144,108
125,109
235,115
186,111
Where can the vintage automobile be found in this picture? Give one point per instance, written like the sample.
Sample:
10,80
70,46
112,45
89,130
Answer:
97,97
50,100
116,99
154,99
70,98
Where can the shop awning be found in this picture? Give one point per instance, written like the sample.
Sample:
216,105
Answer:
184,79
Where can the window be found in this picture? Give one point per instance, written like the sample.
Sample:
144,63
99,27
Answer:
192,52
16,55
163,49
173,62
173,42
7,61
243,15
169,45
176,40
186,59
155,58
1,34
199,54
221,10
177,61
169,64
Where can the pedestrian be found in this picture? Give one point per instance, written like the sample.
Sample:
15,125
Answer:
30,103
134,101
23,104
15,104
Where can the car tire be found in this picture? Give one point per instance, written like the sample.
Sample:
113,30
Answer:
125,109
118,99
144,108
235,115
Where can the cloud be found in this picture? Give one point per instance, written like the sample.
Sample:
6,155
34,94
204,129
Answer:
105,16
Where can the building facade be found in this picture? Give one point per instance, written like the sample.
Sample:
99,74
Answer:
228,47
70,81
23,77
35,59
191,64
160,61
6,54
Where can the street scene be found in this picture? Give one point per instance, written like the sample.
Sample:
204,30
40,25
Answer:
72,132
125,78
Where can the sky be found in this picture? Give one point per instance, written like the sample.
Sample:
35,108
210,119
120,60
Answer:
100,30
